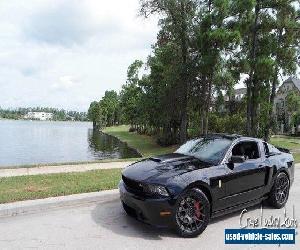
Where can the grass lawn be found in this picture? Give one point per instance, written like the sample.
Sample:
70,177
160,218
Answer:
297,157
291,143
42,186
146,145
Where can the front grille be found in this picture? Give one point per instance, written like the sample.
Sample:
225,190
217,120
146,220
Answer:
133,185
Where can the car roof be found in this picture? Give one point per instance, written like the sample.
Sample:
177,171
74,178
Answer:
228,136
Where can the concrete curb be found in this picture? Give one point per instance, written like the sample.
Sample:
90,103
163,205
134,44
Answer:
40,205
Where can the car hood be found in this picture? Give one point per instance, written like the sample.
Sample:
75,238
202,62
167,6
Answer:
160,168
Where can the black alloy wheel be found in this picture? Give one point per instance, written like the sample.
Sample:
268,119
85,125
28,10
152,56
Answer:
192,213
280,191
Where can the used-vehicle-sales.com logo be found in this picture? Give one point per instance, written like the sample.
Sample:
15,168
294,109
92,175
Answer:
263,229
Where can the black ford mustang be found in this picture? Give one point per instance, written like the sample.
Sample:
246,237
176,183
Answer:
205,178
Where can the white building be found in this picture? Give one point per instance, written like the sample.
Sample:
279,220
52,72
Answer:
43,116
238,95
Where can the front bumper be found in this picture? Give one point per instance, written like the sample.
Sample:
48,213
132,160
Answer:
148,209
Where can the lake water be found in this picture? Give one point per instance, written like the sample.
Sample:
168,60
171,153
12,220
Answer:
34,142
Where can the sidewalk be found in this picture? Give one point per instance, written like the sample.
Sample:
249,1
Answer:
62,168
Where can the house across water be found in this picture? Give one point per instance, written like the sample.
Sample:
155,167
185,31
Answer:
43,116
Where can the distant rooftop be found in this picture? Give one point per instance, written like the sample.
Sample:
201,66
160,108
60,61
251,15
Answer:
294,80
240,91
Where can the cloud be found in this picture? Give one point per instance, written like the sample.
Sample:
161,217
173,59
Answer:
66,53
64,83
29,71
63,24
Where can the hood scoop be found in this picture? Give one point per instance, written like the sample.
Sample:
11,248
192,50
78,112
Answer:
169,158
155,159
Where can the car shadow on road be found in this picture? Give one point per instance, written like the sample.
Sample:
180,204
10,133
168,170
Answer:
111,216
256,208
234,214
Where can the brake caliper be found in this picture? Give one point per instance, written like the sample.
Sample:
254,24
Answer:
197,207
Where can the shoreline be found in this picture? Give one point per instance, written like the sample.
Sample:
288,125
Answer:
37,120
125,142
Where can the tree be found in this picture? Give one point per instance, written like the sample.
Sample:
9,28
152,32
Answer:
177,22
284,42
293,107
202,49
269,31
162,91
109,105
94,114
215,39
130,94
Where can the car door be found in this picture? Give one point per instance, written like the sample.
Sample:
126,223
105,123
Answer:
246,180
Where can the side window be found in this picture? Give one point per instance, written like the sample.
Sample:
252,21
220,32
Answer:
248,149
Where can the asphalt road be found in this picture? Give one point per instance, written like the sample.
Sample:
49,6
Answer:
105,226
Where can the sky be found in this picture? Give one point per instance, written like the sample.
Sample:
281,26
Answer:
67,53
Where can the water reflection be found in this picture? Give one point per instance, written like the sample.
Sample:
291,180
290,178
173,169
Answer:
36,142
104,146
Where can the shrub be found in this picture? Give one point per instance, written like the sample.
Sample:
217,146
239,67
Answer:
166,139
233,124
132,129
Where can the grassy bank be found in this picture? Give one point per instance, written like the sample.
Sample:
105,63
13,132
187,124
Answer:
146,145
42,186
291,143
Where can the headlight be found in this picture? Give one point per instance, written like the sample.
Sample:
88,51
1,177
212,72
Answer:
156,189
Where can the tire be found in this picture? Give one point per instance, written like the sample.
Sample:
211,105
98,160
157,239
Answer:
192,213
280,191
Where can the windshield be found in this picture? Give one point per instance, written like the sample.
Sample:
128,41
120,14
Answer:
211,150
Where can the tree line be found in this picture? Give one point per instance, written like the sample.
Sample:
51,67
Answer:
58,114
203,49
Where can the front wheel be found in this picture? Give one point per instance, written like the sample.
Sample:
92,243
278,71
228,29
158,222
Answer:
280,191
192,213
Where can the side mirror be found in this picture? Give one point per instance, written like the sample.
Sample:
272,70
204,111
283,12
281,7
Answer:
235,159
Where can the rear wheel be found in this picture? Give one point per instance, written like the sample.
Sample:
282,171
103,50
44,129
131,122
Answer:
192,213
280,191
